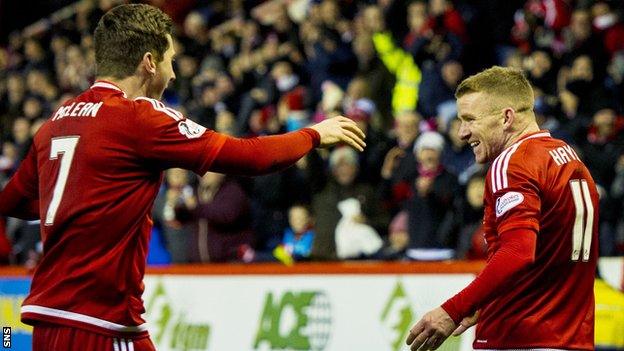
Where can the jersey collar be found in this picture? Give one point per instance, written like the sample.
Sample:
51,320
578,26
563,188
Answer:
533,135
103,84
538,134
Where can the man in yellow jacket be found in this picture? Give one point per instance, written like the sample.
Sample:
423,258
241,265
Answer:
400,63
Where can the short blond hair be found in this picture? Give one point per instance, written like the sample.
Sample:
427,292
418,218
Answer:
507,85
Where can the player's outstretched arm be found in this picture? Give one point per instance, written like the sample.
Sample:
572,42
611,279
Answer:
261,155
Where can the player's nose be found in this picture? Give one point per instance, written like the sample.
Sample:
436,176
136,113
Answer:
464,131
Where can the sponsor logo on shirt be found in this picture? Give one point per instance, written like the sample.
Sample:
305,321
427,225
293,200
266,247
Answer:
507,202
191,129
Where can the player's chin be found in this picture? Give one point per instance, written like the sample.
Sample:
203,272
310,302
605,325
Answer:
480,158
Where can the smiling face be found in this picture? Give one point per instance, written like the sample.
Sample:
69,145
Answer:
481,127
495,107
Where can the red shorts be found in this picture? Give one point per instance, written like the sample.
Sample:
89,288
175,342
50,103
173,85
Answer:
48,337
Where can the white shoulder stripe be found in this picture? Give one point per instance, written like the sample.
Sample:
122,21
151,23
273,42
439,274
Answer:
498,171
160,107
506,165
493,172
46,311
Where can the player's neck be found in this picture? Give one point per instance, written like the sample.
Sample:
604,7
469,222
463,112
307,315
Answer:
132,86
529,128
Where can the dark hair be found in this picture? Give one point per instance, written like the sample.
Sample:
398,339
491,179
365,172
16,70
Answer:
124,34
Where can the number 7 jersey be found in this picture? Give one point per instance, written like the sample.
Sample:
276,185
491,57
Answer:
540,183
96,166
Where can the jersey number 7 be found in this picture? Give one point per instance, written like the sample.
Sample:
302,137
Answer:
582,234
64,146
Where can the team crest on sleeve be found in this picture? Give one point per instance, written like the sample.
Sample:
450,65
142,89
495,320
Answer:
191,129
507,202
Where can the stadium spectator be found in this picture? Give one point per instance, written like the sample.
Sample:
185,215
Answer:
306,178
457,157
541,73
579,38
223,220
376,76
397,60
601,151
399,166
398,238
430,208
614,82
298,237
609,26
171,213
342,185
469,221
362,111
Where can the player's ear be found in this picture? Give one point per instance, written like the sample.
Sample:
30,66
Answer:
148,63
509,116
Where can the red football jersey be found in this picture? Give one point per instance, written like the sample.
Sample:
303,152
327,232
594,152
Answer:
96,166
540,183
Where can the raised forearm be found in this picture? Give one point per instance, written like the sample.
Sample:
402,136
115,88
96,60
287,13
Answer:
261,155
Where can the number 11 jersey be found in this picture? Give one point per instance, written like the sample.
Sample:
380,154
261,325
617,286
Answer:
539,183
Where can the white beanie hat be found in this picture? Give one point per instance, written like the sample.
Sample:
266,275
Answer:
343,153
429,140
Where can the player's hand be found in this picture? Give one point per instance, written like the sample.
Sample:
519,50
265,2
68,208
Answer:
340,129
466,323
431,331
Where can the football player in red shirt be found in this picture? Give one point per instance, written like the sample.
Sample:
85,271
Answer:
540,223
94,170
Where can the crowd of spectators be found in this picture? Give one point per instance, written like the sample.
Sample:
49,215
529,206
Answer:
249,68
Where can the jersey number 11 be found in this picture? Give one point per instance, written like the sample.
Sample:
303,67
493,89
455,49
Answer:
582,234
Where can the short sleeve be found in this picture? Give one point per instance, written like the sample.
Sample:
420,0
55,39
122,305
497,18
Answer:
514,189
170,140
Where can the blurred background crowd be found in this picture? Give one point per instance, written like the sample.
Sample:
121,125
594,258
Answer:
249,68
